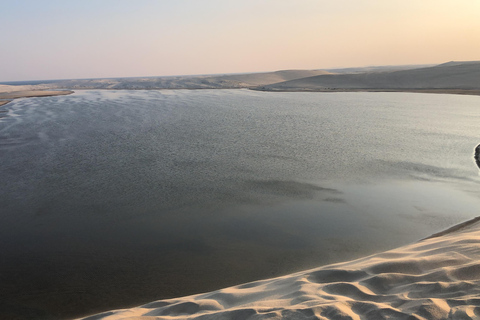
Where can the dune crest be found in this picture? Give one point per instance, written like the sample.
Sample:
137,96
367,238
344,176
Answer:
436,278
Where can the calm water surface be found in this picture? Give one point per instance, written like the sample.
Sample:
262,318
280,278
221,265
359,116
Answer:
114,198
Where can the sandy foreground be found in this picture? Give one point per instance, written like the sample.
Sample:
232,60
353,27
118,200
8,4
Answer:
436,278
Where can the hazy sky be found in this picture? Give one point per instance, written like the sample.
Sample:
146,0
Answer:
58,39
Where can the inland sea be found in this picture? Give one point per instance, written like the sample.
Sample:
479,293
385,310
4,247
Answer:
110,199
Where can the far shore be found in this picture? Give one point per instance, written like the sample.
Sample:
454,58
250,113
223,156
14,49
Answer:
30,94
474,92
6,97
455,77
33,93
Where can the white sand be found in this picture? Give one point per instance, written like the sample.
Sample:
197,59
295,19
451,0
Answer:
437,278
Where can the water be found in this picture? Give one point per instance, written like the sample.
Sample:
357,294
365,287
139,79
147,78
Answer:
114,198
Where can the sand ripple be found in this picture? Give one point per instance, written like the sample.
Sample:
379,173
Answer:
437,278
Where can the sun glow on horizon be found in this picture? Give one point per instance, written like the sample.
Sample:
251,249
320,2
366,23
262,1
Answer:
54,39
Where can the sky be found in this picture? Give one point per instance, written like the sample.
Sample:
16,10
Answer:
58,39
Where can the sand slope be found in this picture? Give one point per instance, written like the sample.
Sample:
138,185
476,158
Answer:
437,278
378,68
258,79
452,75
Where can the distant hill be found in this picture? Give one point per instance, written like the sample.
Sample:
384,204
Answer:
451,75
257,79
184,82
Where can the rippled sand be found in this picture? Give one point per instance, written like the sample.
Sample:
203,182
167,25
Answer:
437,278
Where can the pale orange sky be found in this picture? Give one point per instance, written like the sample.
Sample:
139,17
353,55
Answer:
55,39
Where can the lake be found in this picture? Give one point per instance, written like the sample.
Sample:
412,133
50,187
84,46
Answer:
110,199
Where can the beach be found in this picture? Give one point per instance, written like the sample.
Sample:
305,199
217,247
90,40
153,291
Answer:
9,92
436,278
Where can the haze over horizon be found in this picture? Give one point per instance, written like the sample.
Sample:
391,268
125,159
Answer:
72,40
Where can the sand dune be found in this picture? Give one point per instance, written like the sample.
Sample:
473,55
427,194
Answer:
186,82
452,75
436,278
378,68
227,81
258,79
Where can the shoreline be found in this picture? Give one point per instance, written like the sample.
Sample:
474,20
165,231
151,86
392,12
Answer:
458,227
49,93
334,90
31,94
434,278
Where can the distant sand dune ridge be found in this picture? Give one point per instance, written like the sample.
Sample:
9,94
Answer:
231,81
447,76
452,77
436,278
